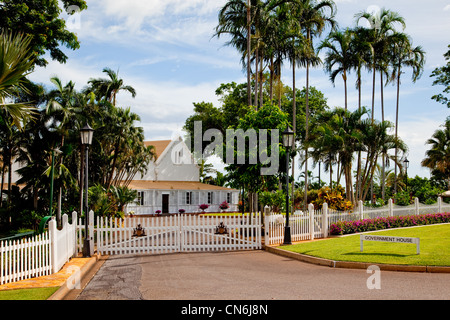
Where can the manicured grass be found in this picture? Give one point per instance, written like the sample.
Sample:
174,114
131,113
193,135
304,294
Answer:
434,247
28,294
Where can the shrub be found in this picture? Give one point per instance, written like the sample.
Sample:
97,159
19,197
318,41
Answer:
224,205
181,211
334,198
348,227
402,198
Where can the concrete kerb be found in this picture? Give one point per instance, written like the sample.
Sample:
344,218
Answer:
69,286
354,265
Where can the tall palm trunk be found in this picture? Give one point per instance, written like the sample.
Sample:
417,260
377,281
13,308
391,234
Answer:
396,127
358,170
256,79
344,76
294,122
373,118
249,94
383,155
305,197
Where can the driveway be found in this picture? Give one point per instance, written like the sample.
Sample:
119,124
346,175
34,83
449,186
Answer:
251,275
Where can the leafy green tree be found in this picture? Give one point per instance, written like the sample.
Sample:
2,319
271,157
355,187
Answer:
339,57
16,59
42,22
438,156
110,87
442,78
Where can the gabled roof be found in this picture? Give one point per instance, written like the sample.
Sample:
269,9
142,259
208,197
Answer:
160,146
174,185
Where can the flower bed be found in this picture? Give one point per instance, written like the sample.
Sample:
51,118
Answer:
348,227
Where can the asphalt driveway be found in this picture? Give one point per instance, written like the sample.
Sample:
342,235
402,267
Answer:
252,275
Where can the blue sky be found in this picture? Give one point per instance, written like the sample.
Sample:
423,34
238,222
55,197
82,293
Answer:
165,50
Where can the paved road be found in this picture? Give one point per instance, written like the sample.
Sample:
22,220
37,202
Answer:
251,275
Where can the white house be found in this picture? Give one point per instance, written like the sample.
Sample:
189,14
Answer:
172,183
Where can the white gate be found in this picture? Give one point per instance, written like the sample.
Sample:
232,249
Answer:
177,233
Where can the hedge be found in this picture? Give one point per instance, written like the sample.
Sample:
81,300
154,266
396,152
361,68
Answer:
348,227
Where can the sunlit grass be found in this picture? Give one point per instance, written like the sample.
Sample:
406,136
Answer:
434,247
28,294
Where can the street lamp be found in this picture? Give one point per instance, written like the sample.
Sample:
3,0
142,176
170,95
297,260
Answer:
288,142
86,139
406,165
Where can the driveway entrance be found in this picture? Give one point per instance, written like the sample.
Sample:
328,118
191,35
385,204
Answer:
250,275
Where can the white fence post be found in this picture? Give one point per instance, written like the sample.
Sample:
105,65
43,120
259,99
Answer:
325,219
311,221
439,204
266,225
53,245
91,232
391,208
360,209
416,206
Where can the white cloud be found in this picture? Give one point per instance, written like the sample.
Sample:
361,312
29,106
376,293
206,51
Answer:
447,7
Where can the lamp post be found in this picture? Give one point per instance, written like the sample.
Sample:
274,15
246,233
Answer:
406,165
86,139
288,141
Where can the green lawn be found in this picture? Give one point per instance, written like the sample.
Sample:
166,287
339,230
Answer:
28,294
434,247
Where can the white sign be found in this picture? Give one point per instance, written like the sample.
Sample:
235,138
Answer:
390,239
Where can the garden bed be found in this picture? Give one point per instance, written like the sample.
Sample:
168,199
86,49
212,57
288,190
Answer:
349,227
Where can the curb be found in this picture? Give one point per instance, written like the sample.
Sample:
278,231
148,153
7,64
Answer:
69,286
355,265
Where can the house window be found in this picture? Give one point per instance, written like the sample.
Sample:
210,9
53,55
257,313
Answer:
210,197
178,156
229,197
188,197
140,198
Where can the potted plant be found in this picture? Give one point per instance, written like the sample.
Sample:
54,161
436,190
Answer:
181,211
131,214
158,212
224,206
203,207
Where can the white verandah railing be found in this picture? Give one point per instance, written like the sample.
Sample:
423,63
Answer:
314,224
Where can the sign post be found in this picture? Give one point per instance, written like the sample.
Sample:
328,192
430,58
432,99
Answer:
390,239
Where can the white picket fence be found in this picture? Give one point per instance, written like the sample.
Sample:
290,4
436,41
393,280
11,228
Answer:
177,233
38,255
314,224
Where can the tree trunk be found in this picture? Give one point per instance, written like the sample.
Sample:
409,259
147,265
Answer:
294,124
249,95
256,79
383,156
396,127
306,129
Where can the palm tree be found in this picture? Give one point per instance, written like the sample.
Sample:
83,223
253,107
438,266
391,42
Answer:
438,156
382,33
361,51
62,106
313,21
404,55
248,22
339,58
109,88
16,61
